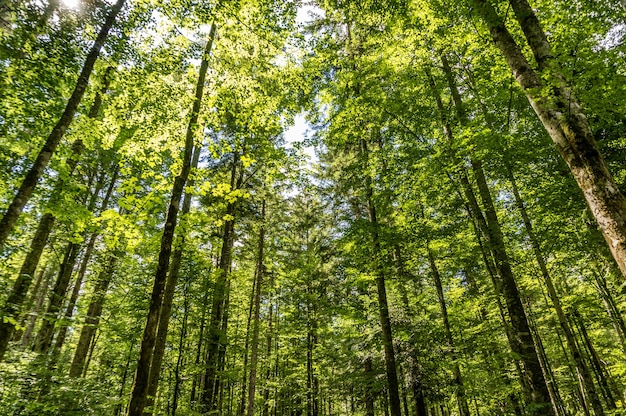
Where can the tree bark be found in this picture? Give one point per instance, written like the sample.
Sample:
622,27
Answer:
537,392
564,120
32,177
595,362
179,361
140,382
368,397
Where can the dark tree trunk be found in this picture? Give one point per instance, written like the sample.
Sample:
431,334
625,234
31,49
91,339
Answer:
584,377
118,407
368,397
180,360
32,177
521,342
268,352
596,364
168,299
537,395
241,409
32,299
215,336
42,294
140,382
205,301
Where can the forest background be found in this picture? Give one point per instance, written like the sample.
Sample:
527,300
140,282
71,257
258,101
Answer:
448,238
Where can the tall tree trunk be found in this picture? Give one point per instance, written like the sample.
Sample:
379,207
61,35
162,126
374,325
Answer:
94,311
254,353
368,397
168,298
32,177
42,278
140,382
564,120
385,322
42,294
120,396
518,334
537,392
205,302
268,352
215,336
221,354
555,396
584,377
241,409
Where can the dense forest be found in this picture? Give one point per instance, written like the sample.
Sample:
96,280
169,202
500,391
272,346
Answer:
443,232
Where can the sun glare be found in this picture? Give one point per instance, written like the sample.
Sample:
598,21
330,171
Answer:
72,4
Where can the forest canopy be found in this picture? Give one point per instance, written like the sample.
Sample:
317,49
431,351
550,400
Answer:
290,208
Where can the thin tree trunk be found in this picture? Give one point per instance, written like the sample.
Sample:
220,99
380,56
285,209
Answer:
34,296
584,377
91,348
555,396
32,177
390,361
168,298
521,342
596,364
564,120
140,382
179,362
39,305
268,372
537,392
612,309
244,382
205,301
221,356
368,397
120,396
456,371
254,353
216,337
